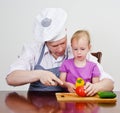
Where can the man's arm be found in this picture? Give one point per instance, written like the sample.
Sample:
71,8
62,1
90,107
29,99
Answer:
21,77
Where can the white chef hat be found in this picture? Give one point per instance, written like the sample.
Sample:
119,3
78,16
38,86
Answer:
50,24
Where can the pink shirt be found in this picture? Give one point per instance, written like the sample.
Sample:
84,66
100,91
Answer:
87,72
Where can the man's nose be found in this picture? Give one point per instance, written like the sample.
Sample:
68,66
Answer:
60,48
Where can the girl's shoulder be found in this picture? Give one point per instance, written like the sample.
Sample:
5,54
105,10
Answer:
91,63
68,61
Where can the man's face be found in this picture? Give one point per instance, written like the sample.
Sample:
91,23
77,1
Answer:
57,48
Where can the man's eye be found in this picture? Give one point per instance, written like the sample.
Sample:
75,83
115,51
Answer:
55,46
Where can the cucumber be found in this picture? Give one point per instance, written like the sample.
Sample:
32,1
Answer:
107,94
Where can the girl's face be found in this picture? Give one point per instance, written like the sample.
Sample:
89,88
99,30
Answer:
80,48
57,48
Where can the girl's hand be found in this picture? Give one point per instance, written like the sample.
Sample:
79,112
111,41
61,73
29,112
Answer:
91,89
71,87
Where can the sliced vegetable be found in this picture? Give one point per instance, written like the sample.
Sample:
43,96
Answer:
107,94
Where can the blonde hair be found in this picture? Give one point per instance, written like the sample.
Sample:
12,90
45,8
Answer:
80,33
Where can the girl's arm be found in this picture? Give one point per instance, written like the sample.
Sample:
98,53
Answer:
63,78
102,85
95,79
68,85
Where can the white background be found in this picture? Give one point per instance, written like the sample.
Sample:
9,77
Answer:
100,17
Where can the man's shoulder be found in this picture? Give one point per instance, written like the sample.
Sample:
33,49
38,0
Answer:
33,45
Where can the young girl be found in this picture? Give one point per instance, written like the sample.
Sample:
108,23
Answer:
79,66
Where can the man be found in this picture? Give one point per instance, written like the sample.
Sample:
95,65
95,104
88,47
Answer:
39,62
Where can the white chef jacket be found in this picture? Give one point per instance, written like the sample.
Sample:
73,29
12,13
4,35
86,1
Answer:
31,52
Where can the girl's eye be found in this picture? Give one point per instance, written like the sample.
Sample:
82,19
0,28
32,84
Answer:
82,49
75,49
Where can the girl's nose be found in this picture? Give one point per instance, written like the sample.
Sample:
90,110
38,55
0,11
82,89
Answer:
78,51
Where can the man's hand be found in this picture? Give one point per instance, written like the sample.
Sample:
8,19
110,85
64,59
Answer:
49,79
